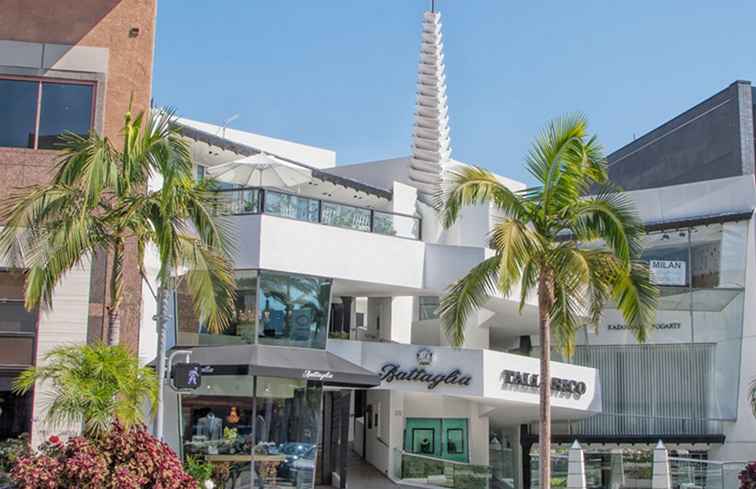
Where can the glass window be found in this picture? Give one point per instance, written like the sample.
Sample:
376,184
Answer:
65,108
15,411
287,430
218,425
14,318
428,307
455,441
241,330
18,109
293,310
667,255
423,441
395,225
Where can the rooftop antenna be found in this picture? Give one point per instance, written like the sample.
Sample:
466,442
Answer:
226,123
433,6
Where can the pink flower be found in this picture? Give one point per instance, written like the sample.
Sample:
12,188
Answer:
55,440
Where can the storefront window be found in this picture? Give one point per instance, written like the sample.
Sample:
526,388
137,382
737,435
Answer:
293,310
287,429
263,441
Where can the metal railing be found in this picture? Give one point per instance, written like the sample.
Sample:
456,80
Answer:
282,204
688,473
437,472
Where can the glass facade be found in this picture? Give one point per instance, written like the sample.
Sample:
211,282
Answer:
684,380
271,309
34,113
262,431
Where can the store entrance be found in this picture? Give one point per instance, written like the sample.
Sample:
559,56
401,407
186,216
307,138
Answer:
332,466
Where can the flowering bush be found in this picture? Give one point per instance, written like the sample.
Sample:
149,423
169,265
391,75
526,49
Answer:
748,477
120,459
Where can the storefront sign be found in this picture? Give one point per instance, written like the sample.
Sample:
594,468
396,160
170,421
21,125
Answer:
187,376
316,375
525,379
668,272
391,372
668,325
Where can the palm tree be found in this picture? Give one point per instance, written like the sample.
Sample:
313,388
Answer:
99,200
576,251
93,384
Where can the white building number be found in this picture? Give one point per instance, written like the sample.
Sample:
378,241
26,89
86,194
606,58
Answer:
668,272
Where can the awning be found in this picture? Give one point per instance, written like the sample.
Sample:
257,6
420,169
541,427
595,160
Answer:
286,362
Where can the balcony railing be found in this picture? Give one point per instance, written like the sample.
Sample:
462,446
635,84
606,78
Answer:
282,204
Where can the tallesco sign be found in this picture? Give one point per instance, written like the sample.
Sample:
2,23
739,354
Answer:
525,379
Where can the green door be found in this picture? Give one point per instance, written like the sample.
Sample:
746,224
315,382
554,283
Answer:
454,439
444,438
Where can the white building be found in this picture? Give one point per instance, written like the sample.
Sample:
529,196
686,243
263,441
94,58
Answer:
337,345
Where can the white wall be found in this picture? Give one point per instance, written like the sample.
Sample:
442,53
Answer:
276,243
64,324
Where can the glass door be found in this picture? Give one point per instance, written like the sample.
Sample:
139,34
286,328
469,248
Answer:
445,438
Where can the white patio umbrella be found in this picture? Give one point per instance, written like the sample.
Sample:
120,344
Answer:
261,170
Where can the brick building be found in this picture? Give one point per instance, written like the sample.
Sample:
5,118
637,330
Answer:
66,65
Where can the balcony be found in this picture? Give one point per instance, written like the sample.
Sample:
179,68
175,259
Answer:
244,201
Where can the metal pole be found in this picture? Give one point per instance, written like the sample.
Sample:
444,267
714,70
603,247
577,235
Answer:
160,320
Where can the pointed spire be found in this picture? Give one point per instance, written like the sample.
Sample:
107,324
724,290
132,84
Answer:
431,150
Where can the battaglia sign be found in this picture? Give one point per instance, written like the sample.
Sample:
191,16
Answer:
668,272
392,372
525,379
316,375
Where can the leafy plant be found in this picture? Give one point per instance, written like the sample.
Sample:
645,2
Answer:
121,459
11,450
93,384
200,470
573,239
100,200
747,477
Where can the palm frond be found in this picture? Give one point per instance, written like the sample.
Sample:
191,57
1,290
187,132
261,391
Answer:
474,186
467,295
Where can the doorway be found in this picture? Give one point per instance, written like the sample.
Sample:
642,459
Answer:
445,438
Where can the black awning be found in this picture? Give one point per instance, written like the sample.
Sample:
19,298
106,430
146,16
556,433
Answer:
286,362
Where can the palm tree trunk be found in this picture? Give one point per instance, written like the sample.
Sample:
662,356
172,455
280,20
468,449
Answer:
116,293
545,301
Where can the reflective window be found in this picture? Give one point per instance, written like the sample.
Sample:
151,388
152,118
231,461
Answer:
14,318
293,310
65,108
18,113
287,430
241,330
62,107
423,441
428,307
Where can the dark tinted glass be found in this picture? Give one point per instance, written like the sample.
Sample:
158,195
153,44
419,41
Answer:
14,318
18,112
65,107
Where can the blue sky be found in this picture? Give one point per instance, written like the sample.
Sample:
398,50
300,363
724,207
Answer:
341,73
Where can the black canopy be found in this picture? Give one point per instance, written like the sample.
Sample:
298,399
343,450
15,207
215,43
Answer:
286,362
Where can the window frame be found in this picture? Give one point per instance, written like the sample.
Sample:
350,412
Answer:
39,80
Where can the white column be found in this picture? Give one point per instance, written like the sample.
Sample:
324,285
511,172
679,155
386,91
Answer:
576,467
660,478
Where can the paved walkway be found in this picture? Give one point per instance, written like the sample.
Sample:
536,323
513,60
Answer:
361,475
